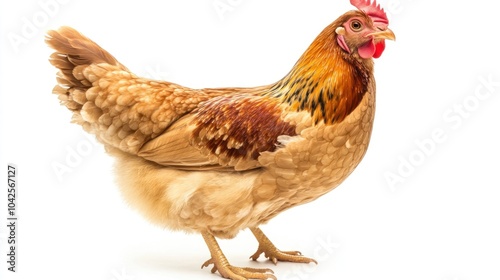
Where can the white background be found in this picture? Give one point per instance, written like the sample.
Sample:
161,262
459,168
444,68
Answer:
440,222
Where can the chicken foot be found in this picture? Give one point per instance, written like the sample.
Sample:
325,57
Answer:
272,253
228,271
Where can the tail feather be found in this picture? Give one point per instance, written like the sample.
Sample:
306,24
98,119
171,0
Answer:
107,100
73,54
74,49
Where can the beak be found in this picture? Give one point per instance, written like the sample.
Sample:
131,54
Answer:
385,34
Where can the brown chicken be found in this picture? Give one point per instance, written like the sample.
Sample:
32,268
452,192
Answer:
217,161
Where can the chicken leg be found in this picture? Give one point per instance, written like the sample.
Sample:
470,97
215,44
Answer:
272,253
228,271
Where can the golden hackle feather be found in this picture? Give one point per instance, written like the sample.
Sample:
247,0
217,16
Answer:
326,81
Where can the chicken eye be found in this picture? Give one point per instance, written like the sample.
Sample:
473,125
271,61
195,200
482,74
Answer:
356,25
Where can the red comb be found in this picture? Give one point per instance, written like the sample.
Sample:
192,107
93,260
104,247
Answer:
373,10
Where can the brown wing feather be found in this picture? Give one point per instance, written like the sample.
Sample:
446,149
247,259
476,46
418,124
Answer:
237,128
226,132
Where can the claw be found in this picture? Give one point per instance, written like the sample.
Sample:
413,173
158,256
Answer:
273,254
209,262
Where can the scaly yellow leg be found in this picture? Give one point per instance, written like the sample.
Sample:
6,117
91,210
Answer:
228,271
272,253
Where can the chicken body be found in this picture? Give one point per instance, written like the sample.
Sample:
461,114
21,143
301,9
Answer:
217,161
223,203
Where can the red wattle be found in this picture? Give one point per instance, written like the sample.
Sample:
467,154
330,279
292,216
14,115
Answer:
380,47
370,49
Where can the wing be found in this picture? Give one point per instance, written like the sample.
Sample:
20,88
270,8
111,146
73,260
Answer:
226,133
